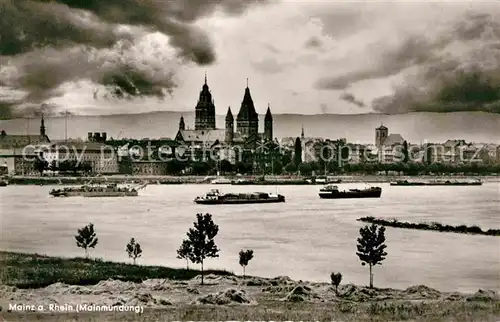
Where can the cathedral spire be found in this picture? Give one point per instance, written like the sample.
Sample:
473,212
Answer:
205,77
229,115
269,116
42,126
302,133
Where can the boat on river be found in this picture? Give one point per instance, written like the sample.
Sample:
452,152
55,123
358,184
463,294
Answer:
215,197
109,190
333,192
477,182
3,183
221,181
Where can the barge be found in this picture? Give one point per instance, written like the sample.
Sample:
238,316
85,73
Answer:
215,197
333,192
110,190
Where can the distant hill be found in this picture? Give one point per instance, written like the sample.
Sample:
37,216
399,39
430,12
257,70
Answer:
414,127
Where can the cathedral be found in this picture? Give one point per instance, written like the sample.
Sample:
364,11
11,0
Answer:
206,134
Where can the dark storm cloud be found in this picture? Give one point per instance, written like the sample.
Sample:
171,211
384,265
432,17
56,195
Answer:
348,97
462,83
48,43
413,51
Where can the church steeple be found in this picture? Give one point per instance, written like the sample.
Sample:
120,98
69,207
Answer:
42,126
302,133
229,126
247,120
205,109
268,124
182,125
269,116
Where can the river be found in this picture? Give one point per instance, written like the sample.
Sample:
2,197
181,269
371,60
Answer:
305,238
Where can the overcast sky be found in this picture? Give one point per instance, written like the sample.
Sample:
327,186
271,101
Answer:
299,56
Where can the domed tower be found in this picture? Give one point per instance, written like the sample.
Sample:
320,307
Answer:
247,121
381,134
182,125
205,110
268,125
229,126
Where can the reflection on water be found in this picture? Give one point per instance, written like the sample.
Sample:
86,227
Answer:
305,238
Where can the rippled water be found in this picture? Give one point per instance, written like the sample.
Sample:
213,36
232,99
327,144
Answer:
305,238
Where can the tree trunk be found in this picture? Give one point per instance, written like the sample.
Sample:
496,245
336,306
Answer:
201,272
86,253
187,264
134,261
243,272
371,277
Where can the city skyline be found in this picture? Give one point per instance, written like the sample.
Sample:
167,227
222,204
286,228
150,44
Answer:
336,58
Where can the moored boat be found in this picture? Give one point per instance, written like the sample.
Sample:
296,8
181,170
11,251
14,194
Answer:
437,183
3,183
221,181
110,190
215,197
333,192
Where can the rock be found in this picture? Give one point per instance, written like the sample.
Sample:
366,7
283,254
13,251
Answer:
300,293
163,301
213,279
192,290
255,282
157,284
454,297
484,296
136,299
227,297
422,291
281,280
357,293
113,286
301,290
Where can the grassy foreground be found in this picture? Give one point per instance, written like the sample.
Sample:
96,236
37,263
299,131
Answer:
33,271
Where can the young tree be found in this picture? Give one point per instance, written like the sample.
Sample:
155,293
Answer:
184,251
406,153
245,257
371,246
41,164
291,167
133,249
86,238
297,156
336,278
201,240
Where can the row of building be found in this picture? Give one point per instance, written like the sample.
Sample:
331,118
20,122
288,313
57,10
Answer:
238,141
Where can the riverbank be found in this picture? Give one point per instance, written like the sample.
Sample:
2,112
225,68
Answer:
166,294
270,180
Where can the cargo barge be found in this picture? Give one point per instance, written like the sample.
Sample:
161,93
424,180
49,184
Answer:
215,197
333,192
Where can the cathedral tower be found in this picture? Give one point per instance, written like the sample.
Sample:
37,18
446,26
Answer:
205,110
381,134
229,126
247,121
268,125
